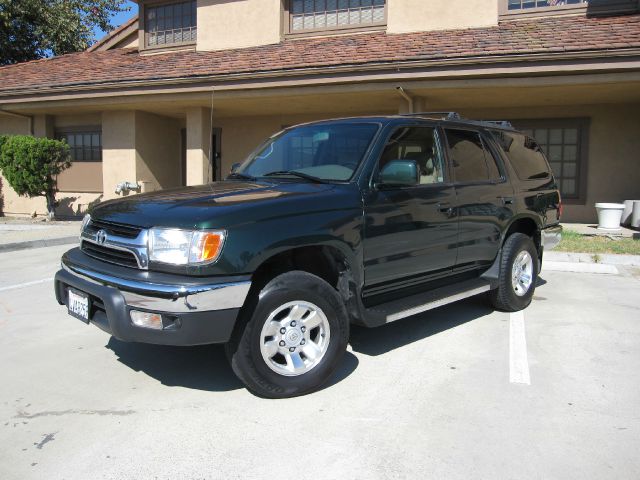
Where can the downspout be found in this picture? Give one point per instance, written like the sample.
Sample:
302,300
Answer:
407,97
20,115
212,160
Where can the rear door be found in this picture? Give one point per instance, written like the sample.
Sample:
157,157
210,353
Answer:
484,198
410,231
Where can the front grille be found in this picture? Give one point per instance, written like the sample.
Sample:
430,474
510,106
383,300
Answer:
111,255
117,229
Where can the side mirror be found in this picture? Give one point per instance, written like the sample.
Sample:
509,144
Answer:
400,172
235,166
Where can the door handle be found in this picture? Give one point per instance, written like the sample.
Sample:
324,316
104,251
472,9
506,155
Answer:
507,200
446,208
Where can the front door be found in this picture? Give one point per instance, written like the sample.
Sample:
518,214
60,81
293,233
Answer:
484,197
410,231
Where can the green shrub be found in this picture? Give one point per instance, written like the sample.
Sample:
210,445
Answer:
30,165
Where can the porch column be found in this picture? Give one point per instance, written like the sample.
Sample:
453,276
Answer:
118,150
198,145
43,126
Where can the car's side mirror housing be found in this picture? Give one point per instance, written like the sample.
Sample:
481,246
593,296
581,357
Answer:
399,173
235,166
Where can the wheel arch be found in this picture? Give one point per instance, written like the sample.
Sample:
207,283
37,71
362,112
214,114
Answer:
527,225
327,262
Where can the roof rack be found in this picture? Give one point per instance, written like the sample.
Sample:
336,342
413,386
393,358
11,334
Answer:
444,115
499,123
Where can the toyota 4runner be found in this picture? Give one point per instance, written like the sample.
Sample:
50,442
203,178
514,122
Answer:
350,221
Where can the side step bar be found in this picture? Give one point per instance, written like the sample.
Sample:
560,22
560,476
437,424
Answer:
422,302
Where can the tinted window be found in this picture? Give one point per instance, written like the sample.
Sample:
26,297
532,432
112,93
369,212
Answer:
492,163
330,152
524,154
467,156
419,144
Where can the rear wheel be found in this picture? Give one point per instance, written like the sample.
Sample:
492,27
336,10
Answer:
518,274
293,338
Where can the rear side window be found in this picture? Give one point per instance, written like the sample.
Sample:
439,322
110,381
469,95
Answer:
470,158
524,154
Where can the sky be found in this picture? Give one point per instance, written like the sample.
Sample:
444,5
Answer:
119,19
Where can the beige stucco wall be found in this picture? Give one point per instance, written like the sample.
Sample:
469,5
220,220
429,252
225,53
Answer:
198,124
420,15
157,151
13,125
130,41
224,24
613,168
81,176
118,150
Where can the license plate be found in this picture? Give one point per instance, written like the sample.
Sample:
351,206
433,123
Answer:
78,305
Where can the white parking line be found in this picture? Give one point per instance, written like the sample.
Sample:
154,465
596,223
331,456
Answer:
518,363
26,284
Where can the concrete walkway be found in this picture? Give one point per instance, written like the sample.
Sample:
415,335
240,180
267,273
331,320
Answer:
19,234
592,229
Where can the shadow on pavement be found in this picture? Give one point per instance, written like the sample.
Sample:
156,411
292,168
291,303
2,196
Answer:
378,341
202,367
206,367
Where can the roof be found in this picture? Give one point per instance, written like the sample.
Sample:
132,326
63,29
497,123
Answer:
113,34
522,38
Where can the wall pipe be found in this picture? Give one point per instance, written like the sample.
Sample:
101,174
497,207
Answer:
407,97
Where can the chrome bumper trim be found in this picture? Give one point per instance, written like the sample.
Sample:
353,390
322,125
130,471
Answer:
170,298
551,237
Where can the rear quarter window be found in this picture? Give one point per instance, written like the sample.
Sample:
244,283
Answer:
524,153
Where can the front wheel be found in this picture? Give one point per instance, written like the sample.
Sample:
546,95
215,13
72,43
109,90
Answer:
293,339
518,274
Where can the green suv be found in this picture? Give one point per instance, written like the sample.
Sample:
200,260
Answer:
349,221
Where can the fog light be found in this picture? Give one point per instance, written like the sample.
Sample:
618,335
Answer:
146,319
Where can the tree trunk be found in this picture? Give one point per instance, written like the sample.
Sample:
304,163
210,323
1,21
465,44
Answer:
51,205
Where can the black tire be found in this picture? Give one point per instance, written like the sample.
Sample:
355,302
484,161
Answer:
505,297
244,352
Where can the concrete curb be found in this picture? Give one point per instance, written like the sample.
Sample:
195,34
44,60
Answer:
50,242
601,258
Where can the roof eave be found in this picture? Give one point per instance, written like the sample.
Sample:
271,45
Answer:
547,63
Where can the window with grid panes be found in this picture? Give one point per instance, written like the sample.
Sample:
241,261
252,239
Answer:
309,15
85,146
529,4
170,23
562,143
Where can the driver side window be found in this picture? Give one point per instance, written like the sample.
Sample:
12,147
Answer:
419,144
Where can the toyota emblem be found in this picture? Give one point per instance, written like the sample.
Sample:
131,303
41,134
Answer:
101,237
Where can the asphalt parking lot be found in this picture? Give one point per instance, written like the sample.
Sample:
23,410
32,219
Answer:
460,392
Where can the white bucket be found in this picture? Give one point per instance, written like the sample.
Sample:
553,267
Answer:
609,215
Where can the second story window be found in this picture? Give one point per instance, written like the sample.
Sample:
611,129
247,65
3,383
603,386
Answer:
317,15
527,4
170,23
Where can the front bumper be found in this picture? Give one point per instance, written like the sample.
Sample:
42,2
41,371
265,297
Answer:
194,310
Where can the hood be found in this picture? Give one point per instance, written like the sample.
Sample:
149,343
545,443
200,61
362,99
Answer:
223,204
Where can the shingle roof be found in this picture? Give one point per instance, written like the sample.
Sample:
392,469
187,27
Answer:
523,37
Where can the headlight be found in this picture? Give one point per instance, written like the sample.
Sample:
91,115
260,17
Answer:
184,247
85,222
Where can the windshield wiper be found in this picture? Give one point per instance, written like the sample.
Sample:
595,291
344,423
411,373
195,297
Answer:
240,176
294,173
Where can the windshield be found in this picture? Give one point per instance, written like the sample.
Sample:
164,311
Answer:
329,152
